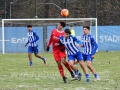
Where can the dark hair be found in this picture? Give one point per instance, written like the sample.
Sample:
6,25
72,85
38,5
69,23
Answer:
86,27
71,26
29,26
67,31
63,24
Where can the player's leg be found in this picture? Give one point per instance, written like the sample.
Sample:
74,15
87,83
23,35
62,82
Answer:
73,66
76,63
84,70
63,59
42,58
61,70
81,63
60,67
30,56
30,59
71,60
39,56
89,65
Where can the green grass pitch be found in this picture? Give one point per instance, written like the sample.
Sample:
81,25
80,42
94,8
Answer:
16,75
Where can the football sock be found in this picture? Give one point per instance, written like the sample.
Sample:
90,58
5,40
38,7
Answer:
87,76
68,67
77,72
31,63
61,70
43,59
64,79
71,73
96,75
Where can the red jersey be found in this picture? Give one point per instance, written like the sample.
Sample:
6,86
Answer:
54,38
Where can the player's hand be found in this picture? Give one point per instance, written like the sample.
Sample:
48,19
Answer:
47,49
25,45
77,45
92,56
81,45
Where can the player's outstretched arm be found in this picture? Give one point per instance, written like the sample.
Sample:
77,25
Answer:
94,49
26,43
77,40
49,43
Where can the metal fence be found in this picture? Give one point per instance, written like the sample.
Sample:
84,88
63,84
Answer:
107,11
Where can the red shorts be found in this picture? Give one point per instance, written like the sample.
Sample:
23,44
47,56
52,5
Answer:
58,55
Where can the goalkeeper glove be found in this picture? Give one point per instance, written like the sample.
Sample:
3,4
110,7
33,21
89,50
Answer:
47,48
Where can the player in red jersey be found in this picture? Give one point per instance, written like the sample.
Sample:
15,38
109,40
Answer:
59,51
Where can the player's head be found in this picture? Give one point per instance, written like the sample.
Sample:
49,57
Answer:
71,27
67,33
61,25
86,29
29,27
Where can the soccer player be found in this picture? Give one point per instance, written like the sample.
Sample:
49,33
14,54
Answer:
90,46
59,51
33,46
72,30
73,53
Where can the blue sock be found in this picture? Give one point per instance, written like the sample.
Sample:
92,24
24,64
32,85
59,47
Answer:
43,59
96,75
31,63
87,76
77,72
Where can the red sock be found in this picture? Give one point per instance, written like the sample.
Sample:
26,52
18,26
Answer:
68,67
61,70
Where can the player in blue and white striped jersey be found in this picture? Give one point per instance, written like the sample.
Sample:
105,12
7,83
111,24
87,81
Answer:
74,53
90,46
33,46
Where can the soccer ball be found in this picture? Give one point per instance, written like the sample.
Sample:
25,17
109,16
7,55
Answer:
64,12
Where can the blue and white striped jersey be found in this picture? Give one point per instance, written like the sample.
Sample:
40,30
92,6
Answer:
89,44
32,38
70,44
